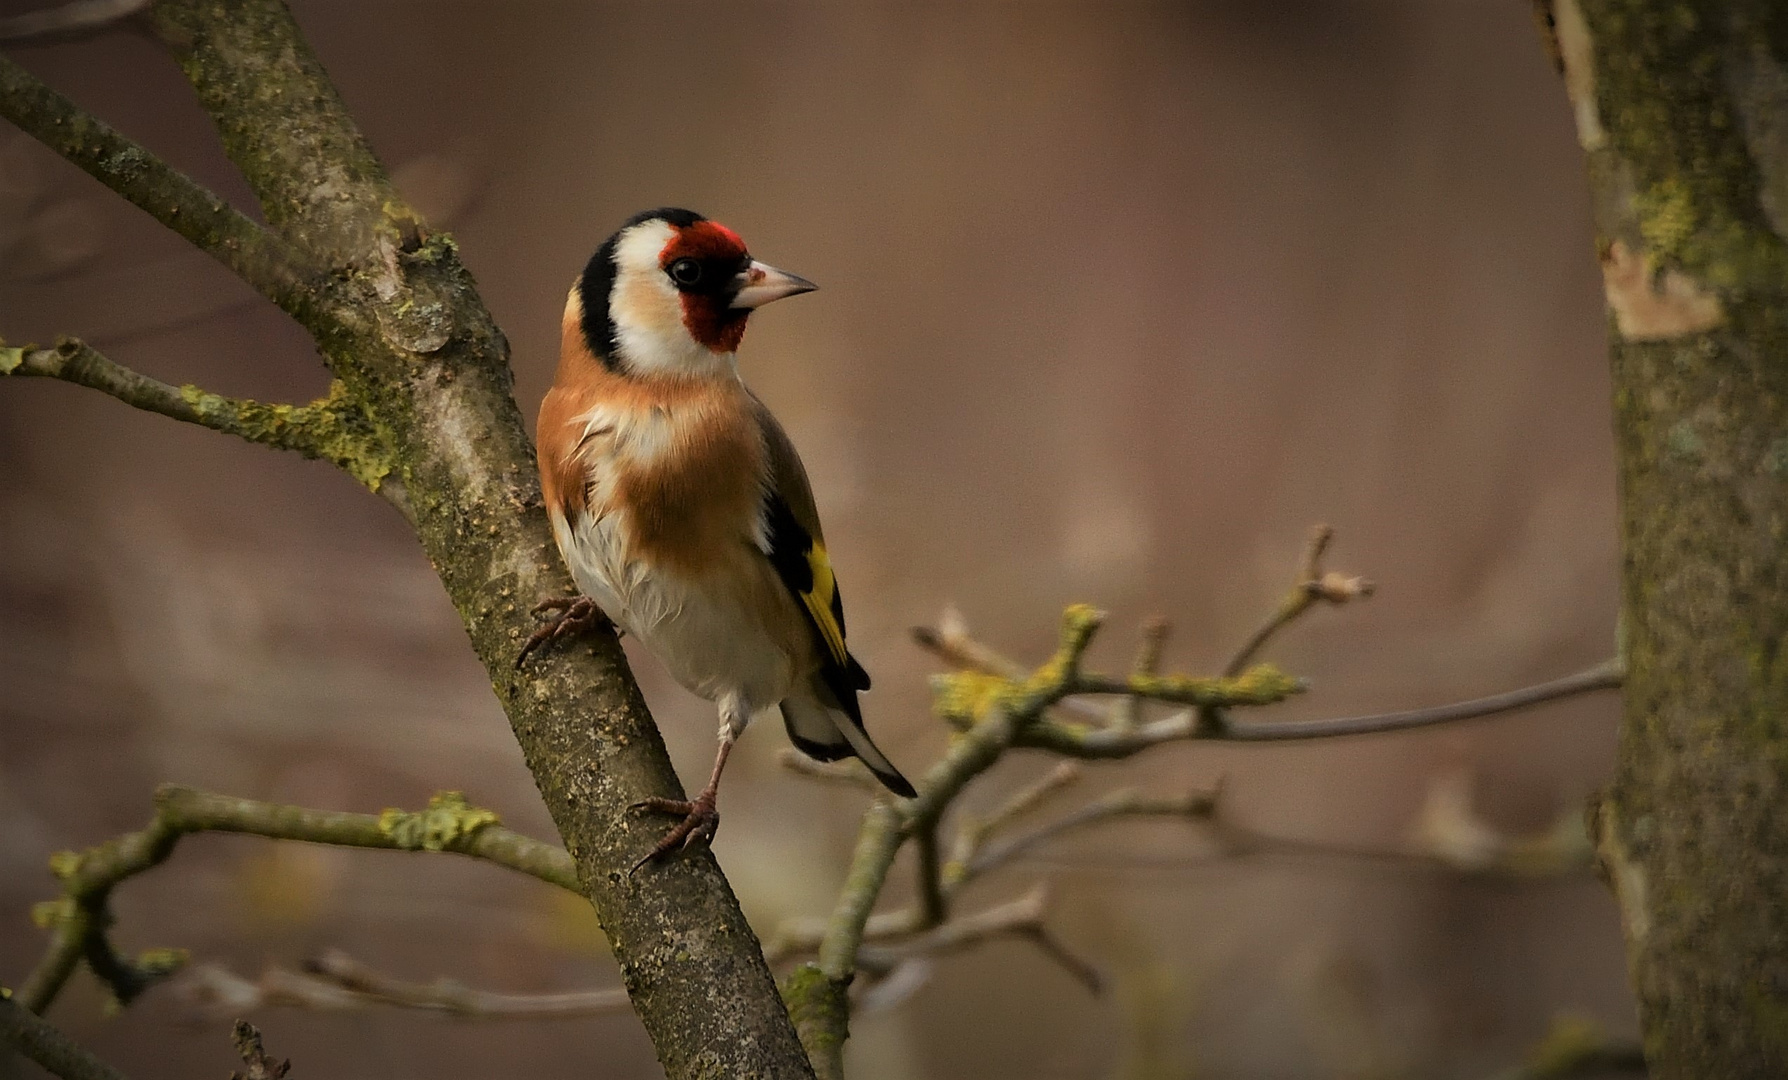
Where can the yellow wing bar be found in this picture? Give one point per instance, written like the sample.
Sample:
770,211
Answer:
819,601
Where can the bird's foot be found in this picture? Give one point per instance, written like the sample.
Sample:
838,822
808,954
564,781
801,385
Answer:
700,821
573,615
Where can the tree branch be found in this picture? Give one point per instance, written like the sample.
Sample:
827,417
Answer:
1082,741
1312,585
332,429
69,18
1021,918
39,1040
272,266
261,1064
336,982
79,920
399,322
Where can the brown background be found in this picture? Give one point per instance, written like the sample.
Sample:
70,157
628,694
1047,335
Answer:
1117,300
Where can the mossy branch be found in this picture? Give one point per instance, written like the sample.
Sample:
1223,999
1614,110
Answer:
272,266
399,322
332,428
79,919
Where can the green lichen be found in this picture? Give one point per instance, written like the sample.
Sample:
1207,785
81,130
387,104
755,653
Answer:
332,428
1664,95
11,358
448,820
820,1008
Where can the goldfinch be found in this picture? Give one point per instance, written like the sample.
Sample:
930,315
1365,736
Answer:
680,505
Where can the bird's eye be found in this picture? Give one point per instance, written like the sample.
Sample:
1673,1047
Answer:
686,271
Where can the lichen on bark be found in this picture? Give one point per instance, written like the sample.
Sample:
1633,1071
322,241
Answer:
1693,833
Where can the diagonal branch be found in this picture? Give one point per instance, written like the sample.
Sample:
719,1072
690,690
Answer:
272,266
78,921
76,16
332,429
37,1039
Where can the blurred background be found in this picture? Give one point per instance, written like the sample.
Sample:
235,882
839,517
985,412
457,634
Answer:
1118,300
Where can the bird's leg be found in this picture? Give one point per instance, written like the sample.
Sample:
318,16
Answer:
701,817
573,616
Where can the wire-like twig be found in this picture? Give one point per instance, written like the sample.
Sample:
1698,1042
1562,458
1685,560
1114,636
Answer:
275,268
1021,918
70,18
332,428
1089,742
336,982
446,995
42,1042
79,920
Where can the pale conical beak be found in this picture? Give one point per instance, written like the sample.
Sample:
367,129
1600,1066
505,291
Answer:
759,284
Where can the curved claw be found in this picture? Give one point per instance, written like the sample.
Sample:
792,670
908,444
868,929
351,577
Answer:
701,820
575,614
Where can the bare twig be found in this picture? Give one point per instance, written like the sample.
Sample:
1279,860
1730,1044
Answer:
70,18
261,1064
333,429
1087,742
449,996
849,772
336,982
1126,711
79,919
1199,806
37,1039
1312,585
272,266
1022,918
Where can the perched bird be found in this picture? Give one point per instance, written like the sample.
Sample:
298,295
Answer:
680,505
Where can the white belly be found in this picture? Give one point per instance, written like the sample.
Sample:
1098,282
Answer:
717,636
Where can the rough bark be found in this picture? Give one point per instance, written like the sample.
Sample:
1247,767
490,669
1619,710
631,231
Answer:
1682,109
399,323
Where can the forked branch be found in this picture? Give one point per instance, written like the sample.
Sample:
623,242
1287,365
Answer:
79,920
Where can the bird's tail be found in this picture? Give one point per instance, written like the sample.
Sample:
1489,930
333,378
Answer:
827,732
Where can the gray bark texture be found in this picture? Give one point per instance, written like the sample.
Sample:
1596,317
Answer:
1682,110
425,374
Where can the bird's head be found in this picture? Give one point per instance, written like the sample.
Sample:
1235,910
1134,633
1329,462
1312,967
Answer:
669,293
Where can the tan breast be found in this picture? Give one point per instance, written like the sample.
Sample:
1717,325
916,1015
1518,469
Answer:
682,459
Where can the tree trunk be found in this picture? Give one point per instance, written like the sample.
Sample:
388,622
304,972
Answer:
1682,110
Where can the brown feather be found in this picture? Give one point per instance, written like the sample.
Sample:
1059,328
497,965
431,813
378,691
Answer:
692,502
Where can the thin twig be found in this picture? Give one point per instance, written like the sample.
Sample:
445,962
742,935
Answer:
1086,742
275,268
1022,918
332,428
79,920
1198,806
1312,585
75,17
42,1042
335,982
850,772
1127,711
449,996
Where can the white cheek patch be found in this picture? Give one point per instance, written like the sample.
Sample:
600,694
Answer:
647,311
